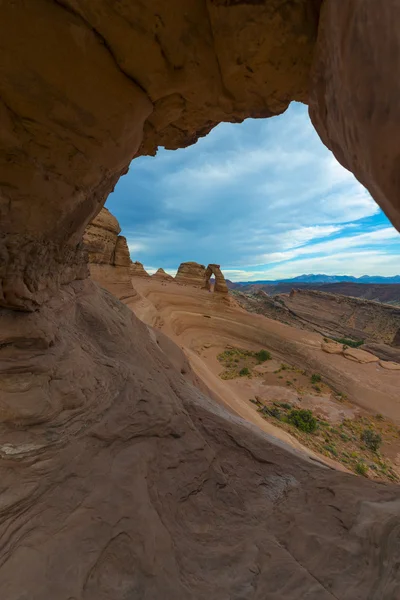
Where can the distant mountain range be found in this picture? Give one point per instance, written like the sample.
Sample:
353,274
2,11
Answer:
320,278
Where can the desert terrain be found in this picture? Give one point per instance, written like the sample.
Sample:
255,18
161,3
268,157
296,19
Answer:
207,326
125,473
388,293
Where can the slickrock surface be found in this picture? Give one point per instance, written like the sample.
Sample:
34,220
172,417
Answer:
191,273
144,487
109,259
138,270
359,355
333,315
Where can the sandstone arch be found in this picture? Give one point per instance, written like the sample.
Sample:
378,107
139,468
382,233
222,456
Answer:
69,133
109,462
220,286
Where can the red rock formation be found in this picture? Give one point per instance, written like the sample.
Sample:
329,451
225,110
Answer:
109,260
220,286
161,274
191,273
138,270
117,478
352,93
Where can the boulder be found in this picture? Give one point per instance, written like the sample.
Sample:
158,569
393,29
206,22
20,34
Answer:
191,273
389,365
332,347
137,270
359,356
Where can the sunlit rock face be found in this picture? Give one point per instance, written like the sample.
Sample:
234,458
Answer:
220,286
162,275
138,270
109,259
191,273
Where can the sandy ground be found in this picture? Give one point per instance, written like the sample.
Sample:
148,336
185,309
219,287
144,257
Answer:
203,324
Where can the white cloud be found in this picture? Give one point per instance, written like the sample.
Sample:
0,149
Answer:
263,192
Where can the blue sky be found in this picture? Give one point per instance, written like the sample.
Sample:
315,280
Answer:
264,198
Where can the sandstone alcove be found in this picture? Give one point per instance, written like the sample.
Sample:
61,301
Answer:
118,477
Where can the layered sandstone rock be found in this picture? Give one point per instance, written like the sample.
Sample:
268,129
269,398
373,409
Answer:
138,270
331,347
220,286
191,273
161,274
352,92
360,356
124,434
110,463
109,259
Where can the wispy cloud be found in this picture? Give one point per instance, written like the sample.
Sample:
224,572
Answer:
262,195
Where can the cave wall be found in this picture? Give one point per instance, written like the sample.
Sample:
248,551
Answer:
93,84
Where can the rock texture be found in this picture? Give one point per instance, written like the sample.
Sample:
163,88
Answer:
137,270
161,274
119,479
360,356
220,286
352,93
145,488
109,259
191,273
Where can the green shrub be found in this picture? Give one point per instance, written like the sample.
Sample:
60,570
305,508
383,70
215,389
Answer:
262,355
371,439
331,449
285,405
349,342
271,411
315,378
243,372
361,469
303,420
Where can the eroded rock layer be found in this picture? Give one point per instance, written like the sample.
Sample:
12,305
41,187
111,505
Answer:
220,286
161,274
191,273
109,259
115,432
137,270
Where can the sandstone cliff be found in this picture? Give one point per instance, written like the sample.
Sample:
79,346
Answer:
138,270
191,273
109,259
